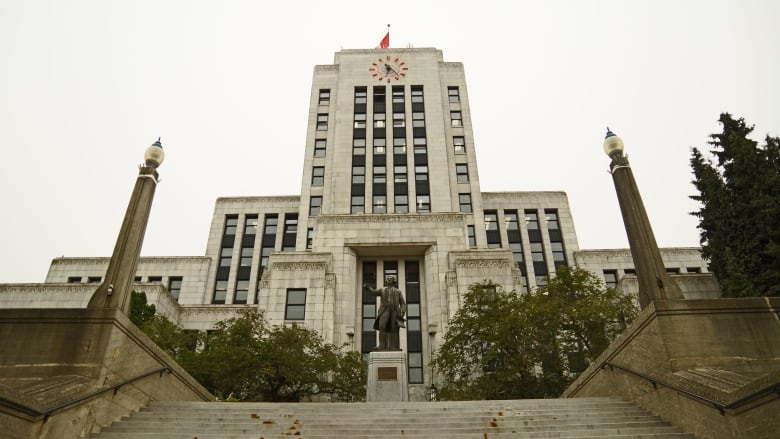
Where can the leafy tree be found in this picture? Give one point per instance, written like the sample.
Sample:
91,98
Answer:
505,345
140,310
246,359
739,218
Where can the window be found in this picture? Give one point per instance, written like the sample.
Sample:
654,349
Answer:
319,148
465,202
456,119
462,173
250,227
309,238
379,120
379,147
324,96
380,175
360,123
380,204
610,278
401,204
693,269
246,257
459,142
174,286
418,124
318,176
559,255
398,120
398,95
242,292
322,122
358,174
423,203
491,229
290,232
454,94
360,95
315,206
358,204
296,304
97,279
224,256
399,174
471,230
417,95
75,279
220,292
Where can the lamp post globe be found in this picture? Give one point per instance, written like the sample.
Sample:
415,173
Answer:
613,144
154,154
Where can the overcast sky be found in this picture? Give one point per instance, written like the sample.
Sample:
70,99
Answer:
86,86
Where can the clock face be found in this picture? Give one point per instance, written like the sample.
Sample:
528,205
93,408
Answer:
388,68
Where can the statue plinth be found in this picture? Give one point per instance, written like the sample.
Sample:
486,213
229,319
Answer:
387,377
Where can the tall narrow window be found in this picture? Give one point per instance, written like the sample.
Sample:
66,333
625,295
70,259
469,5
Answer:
413,323
455,117
290,232
472,234
324,96
319,148
454,94
556,237
318,176
465,202
516,244
296,304
242,292
315,206
268,245
309,238
174,286
462,173
225,258
459,143
322,122
537,248
491,229
368,312
610,278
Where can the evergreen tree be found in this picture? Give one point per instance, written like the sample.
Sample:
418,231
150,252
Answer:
739,218
140,310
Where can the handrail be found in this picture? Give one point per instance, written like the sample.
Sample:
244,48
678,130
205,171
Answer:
47,413
718,405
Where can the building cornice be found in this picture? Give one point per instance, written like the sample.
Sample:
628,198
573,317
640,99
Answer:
391,218
259,200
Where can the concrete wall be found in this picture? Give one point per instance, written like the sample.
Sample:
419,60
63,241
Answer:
723,349
50,356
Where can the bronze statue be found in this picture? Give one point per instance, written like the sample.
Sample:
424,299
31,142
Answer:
390,316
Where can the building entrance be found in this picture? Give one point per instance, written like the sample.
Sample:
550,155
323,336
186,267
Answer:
407,273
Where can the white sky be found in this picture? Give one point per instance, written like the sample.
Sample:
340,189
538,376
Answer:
86,86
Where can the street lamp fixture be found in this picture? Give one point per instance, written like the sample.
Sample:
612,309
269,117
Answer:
654,282
117,284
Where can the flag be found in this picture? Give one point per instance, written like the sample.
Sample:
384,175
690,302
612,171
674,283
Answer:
385,43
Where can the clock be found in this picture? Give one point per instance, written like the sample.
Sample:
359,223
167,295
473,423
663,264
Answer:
388,68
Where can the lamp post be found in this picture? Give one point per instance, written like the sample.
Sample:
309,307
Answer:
654,282
117,284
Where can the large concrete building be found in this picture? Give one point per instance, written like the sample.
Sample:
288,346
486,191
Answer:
390,186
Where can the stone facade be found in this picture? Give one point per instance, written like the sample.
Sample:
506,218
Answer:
390,185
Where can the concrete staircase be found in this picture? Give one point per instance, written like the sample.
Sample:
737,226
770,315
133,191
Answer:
545,418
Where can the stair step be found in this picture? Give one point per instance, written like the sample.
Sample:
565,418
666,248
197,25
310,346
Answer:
532,419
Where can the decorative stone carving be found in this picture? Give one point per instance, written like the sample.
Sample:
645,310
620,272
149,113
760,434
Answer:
479,263
298,266
391,218
259,200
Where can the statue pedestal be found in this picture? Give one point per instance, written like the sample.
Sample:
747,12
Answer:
387,379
